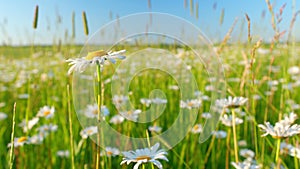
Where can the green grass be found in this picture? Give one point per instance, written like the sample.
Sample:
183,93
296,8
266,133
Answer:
20,65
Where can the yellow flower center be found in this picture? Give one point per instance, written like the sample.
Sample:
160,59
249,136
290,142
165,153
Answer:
129,112
98,53
89,131
22,139
46,113
143,158
190,104
109,153
196,127
95,111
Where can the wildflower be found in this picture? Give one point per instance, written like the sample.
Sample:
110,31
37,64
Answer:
47,128
246,164
242,143
63,153
206,115
234,102
294,70
146,102
85,133
156,129
131,114
3,116
247,153
110,151
46,112
117,119
31,123
280,130
220,134
189,104
159,101
295,152
20,141
92,58
118,100
92,111
36,139
145,155
227,120
197,129
285,148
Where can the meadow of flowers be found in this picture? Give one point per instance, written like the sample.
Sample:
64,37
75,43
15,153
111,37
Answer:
41,127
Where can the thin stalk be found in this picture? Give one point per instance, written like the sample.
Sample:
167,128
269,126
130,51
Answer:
71,128
277,149
234,137
99,102
11,155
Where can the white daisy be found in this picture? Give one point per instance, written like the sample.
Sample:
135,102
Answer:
45,129
36,139
159,101
85,133
92,58
234,102
131,114
285,148
227,120
220,134
63,153
247,153
246,164
31,123
280,130
146,102
145,155
155,129
294,70
92,111
189,104
46,112
119,100
3,116
20,141
110,152
197,129
206,115
117,119
295,152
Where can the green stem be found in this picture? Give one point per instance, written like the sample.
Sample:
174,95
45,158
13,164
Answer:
99,102
71,128
11,155
277,149
234,137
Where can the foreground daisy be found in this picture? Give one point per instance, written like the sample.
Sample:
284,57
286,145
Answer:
280,130
145,155
92,58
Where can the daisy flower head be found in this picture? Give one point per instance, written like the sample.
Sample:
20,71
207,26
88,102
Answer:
246,164
63,153
28,126
117,119
247,153
190,104
220,134
110,152
197,129
295,152
46,112
89,131
285,148
145,155
280,130
227,120
92,111
20,141
92,58
155,129
3,116
231,102
131,114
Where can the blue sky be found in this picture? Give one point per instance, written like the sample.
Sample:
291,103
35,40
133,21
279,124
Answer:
16,17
